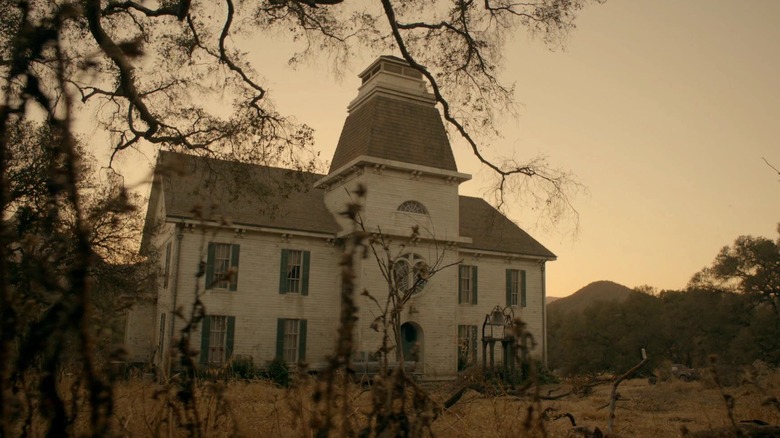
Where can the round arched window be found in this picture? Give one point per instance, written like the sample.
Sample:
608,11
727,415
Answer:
411,273
413,207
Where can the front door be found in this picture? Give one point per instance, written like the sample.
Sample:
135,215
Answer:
411,341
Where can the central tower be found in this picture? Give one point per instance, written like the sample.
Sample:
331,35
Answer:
394,144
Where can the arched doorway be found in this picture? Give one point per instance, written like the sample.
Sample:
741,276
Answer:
411,341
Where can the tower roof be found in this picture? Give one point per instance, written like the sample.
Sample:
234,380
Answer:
394,118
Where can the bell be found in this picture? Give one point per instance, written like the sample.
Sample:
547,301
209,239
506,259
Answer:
497,317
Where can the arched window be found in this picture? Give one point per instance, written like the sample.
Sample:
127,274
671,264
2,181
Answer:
411,273
413,207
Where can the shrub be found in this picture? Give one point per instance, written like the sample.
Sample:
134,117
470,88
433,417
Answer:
278,372
243,367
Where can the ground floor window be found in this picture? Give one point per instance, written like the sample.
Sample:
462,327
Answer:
217,339
467,346
161,340
291,340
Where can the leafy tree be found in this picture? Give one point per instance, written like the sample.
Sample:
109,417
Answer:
152,73
751,266
42,249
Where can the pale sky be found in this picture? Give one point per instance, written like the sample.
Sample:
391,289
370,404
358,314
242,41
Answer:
663,109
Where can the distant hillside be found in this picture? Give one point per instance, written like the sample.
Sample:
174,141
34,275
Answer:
596,291
549,300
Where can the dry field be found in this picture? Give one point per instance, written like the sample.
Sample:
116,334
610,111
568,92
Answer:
660,410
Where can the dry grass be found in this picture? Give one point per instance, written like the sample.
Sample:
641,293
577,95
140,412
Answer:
661,410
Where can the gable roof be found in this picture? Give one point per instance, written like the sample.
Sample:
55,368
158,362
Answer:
492,231
244,194
262,196
395,129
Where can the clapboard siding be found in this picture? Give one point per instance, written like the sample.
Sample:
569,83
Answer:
394,152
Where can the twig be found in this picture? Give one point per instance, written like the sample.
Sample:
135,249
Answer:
773,167
615,396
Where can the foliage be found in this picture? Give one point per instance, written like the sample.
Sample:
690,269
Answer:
278,372
727,310
244,368
56,239
161,74
173,74
751,266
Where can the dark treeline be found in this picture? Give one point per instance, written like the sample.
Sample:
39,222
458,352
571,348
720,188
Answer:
729,310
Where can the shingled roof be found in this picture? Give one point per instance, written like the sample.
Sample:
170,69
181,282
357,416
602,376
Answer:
395,129
492,231
244,194
395,118
263,196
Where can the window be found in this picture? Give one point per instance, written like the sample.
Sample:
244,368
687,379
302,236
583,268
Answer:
467,284
167,264
222,266
411,273
291,340
161,341
515,288
413,207
467,346
216,342
294,272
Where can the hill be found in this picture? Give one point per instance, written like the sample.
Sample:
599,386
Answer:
596,291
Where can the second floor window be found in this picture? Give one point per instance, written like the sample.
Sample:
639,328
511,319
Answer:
294,272
222,266
167,264
413,207
410,272
467,284
515,288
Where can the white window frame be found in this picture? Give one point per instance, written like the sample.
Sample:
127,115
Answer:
466,284
222,264
514,295
294,271
292,330
409,270
218,328
161,340
167,264
467,343
412,206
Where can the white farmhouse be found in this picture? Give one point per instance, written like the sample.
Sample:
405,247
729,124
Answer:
285,244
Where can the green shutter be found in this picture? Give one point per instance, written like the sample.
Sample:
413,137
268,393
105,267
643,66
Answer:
522,289
302,340
305,273
231,329
508,287
234,249
460,283
280,338
283,273
210,265
205,329
474,284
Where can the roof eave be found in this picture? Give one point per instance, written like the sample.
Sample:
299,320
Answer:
547,258
250,227
365,160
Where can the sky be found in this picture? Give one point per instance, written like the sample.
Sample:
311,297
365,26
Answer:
664,110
